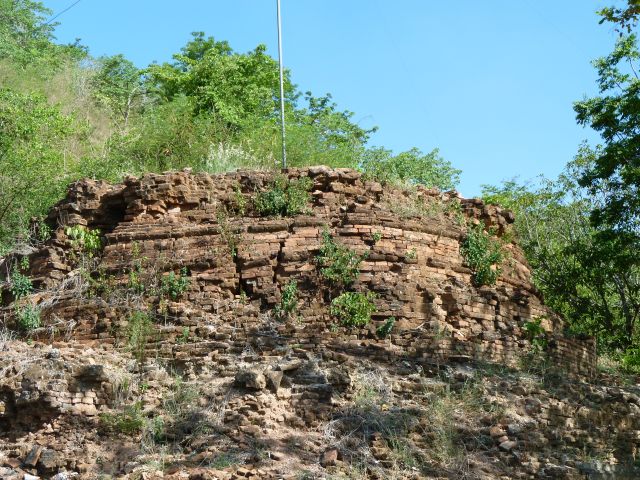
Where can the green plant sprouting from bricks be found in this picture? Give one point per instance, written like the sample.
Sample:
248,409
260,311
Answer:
353,309
536,334
84,239
139,332
339,264
184,336
135,281
288,300
100,283
238,202
20,285
384,330
231,237
284,197
27,317
129,421
483,254
173,286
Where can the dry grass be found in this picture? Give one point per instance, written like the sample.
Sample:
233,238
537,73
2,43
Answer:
372,433
416,203
6,336
398,438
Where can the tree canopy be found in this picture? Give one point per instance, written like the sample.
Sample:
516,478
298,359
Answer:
65,114
615,114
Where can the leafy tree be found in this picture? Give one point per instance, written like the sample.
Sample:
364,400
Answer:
33,170
319,134
119,85
23,31
411,167
26,38
168,136
241,90
615,114
587,273
230,85
626,18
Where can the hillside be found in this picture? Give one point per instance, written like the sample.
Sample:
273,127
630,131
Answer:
316,325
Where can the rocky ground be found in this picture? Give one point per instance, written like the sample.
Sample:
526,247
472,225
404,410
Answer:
299,416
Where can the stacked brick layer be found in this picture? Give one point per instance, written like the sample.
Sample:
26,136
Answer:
238,265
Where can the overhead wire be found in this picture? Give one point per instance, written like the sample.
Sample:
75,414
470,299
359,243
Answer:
63,11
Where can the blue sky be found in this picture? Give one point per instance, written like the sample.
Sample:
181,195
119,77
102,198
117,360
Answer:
490,83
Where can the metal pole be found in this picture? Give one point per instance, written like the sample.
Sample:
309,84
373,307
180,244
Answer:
284,149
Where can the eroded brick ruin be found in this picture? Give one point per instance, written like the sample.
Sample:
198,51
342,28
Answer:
415,268
237,264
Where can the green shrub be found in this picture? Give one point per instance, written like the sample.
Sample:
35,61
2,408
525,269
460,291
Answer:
384,330
136,280
288,301
338,264
20,285
41,232
412,167
173,286
230,236
239,202
28,317
184,336
139,332
353,309
483,254
284,197
85,239
536,335
100,283
129,421
630,361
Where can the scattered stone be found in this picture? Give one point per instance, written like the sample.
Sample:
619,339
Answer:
329,457
508,445
514,429
274,379
276,456
252,379
50,460
53,354
34,455
12,462
290,365
252,430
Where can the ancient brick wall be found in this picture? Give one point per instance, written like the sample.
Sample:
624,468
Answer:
238,264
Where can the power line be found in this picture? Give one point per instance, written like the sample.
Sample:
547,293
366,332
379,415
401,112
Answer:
65,10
